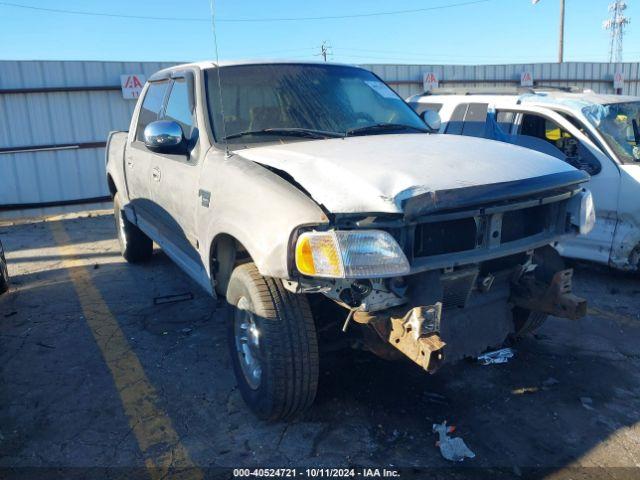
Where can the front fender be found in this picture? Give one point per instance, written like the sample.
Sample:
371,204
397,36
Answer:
256,207
625,251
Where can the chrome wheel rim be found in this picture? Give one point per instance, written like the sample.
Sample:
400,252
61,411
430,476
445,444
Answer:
247,341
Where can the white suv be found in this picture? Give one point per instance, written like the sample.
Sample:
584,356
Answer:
595,133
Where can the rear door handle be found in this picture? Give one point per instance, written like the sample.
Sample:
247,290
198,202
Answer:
129,163
156,174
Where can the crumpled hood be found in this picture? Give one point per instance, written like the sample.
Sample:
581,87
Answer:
378,173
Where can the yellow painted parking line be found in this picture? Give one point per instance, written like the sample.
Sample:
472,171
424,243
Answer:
619,318
152,427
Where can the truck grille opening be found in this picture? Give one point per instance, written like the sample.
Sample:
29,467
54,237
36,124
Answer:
518,224
457,286
445,237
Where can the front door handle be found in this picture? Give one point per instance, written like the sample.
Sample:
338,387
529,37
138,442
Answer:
156,174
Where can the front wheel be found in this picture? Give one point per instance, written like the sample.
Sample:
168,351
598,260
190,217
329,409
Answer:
273,345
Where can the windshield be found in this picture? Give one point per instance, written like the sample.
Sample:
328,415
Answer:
619,124
321,100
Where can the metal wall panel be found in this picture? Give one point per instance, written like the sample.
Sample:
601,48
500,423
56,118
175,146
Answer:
54,118
407,79
76,117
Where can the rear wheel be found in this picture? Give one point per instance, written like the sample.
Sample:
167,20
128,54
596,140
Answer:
273,345
135,246
4,272
549,262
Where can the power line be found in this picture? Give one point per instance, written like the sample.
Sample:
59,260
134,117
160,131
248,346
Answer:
424,58
421,55
302,49
359,15
239,20
415,54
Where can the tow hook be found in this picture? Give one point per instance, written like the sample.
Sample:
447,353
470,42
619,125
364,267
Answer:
416,335
555,299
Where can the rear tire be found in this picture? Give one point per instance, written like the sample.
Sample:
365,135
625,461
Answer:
549,262
135,246
273,345
4,272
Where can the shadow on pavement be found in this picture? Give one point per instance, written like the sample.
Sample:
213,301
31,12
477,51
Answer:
555,403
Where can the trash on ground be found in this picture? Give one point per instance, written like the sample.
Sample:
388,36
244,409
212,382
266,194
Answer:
587,402
451,448
498,356
433,397
187,330
550,382
179,297
523,390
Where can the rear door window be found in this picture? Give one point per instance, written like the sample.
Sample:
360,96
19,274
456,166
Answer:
151,106
468,119
475,120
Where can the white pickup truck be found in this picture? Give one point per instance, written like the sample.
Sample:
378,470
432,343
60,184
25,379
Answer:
276,185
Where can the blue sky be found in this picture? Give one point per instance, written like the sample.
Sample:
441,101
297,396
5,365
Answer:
493,31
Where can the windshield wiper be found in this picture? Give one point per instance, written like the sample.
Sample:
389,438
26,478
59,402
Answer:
290,132
382,127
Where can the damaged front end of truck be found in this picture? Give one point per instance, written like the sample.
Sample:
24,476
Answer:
456,273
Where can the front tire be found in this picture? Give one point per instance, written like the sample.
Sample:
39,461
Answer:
135,246
273,345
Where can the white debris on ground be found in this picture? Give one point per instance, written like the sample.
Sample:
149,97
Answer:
587,402
498,356
451,448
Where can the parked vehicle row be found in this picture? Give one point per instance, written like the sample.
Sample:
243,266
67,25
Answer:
598,134
275,184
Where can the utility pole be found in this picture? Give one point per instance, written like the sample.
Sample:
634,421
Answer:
561,35
324,50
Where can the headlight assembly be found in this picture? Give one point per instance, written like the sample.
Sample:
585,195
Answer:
350,254
583,212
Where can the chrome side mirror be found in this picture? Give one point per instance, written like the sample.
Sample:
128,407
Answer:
165,136
432,119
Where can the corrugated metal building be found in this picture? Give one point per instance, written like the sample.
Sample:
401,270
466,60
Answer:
54,119
55,116
407,79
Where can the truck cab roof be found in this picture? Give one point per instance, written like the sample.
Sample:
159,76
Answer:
209,64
